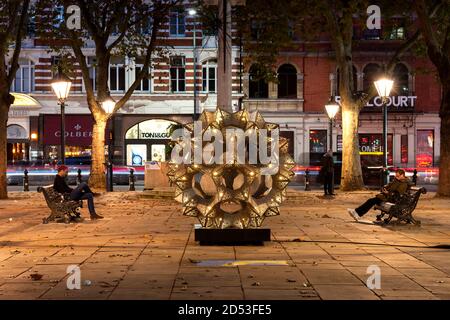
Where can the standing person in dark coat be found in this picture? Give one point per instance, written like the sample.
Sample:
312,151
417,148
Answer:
327,172
82,192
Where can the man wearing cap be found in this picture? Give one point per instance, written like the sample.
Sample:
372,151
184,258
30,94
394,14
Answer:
81,192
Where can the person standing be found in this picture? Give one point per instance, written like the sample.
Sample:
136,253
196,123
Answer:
327,172
81,192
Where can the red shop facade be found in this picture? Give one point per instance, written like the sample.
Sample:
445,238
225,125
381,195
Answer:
78,136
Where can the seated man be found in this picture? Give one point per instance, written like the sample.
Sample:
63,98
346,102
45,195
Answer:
81,192
397,187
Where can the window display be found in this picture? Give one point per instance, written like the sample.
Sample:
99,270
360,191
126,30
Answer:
425,148
317,146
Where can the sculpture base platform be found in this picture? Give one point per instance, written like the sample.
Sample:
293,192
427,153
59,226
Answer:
231,237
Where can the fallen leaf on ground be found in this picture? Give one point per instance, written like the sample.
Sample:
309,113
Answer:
36,276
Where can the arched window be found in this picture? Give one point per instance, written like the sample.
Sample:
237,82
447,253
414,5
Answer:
287,82
258,87
401,80
372,72
355,80
24,80
16,132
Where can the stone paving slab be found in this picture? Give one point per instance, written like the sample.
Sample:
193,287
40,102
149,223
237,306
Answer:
145,249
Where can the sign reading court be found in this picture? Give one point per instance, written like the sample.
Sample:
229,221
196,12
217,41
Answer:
395,102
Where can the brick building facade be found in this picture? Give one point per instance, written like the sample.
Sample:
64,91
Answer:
306,81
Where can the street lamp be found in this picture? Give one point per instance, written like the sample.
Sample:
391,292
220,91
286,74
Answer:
332,109
193,13
384,86
108,106
61,86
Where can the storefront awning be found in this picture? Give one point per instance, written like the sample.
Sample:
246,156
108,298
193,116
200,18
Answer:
24,100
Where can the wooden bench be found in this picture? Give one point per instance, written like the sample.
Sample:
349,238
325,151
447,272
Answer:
403,208
63,210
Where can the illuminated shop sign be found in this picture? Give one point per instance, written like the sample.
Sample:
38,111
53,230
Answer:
394,102
150,130
154,135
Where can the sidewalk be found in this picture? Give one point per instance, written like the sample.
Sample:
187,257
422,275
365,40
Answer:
144,249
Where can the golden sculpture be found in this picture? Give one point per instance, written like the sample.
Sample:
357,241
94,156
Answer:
232,194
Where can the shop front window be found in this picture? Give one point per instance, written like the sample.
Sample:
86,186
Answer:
289,135
147,141
317,146
404,149
425,148
371,149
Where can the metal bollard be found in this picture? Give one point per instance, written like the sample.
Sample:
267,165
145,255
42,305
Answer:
79,178
26,182
132,180
307,187
414,178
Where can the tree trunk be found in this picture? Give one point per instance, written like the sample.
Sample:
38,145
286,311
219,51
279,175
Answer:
224,64
4,107
97,179
351,178
444,163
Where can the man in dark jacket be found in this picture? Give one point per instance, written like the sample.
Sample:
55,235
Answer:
327,172
81,192
390,192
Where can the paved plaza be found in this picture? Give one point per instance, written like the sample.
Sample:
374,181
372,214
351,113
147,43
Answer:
145,249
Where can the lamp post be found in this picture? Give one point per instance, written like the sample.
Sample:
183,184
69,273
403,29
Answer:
332,109
384,87
108,106
61,86
193,13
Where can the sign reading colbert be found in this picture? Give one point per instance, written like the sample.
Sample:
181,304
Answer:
394,103
78,130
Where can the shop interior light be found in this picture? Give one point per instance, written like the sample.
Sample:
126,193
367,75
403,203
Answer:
192,12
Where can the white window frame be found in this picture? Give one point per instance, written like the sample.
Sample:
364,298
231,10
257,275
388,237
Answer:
178,68
177,25
209,65
117,66
139,89
23,69
94,74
